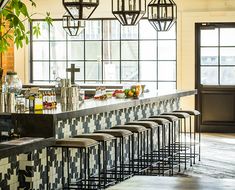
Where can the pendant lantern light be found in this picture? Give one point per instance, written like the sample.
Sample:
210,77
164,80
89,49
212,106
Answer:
3,3
162,14
128,12
71,26
80,9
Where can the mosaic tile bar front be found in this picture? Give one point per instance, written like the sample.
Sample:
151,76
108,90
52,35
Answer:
29,171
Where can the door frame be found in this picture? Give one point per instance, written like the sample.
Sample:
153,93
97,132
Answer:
215,89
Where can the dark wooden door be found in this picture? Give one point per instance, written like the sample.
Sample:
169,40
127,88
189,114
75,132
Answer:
215,76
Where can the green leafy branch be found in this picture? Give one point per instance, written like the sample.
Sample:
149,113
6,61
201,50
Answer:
12,27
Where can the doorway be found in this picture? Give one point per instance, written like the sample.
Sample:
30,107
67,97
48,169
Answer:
215,76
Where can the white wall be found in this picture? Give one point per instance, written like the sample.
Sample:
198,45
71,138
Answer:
189,12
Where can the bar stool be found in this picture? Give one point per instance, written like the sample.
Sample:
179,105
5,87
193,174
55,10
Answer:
172,136
120,135
141,132
161,153
183,146
151,126
196,115
102,138
83,145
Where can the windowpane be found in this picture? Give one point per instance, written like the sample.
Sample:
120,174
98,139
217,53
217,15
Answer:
57,32
209,75
227,37
129,50
171,34
93,50
76,50
227,75
112,70
150,86
93,30
111,50
93,71
78,75
40,51
209,37
58,50
129,70
227,56
209,56
129,32
79,37
146,30
44,30
167,70
166,85
148,50
41,70
166,50
145,68
111,30
57,70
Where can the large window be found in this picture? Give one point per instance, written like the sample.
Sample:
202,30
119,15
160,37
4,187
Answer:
105,52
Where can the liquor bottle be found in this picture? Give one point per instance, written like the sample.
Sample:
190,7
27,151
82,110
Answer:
49,100
38,103
44,100
31,102
54,103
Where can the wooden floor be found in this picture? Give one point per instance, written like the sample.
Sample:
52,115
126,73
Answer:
216,171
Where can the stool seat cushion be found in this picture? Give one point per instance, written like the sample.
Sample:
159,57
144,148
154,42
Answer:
146,124
132,128
97,136
190,112
76,142
181,115
168,117
159,121
115,132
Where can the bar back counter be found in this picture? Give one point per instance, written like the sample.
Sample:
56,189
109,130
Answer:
27,169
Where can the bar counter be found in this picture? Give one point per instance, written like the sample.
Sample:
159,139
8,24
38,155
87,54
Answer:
63,122
51,123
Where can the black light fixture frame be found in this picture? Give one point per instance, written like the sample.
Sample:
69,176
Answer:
162,14
72,29
3,3
122,14
80,5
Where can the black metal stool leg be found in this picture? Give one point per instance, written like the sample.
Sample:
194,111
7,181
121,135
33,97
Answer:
133,153
199,146
122,156
115,160
163,151
105,163
129,155
62,156
190,135
85,166
151,151
99,167
180,140
68,178
81,174
47,168
159,151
